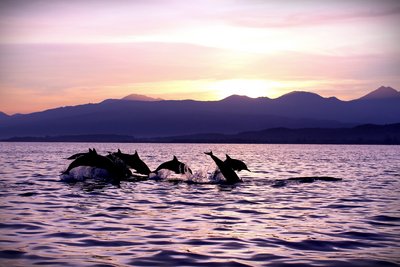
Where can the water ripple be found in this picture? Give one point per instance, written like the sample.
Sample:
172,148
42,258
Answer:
271,219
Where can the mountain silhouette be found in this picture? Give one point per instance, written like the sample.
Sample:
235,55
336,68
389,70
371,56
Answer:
137,97
3,115
231,115
382,93
300,96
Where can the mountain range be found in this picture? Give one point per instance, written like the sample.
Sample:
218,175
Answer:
145,117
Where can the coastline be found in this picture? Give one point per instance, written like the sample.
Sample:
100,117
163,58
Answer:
359,135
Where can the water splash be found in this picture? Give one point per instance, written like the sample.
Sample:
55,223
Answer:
83,173
206,175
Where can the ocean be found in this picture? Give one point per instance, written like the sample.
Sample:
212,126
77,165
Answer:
265,221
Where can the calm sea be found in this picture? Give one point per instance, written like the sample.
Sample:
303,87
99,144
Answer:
260,222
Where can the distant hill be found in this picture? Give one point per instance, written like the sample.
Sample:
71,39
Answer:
98,138
363,134
382,93
3,116
136,97
234,114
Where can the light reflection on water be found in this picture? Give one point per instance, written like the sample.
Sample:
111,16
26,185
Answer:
354,222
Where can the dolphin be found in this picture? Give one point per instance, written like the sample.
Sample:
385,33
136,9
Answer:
226,170
77,155
133,161
93,159
236,165
120,164
174,165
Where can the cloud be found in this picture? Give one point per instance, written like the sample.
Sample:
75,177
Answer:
54,67
316,15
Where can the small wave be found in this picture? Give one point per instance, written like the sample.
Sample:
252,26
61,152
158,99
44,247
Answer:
385,218
342,206
356,262
354,199
106,215
11,254
99,243
297,180
19,226
28,194
192,203
119,208
67,235
253,212
109,229
265,257
184,258
324,245
360,235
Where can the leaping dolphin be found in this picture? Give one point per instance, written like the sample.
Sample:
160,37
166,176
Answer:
93,159
226,170
77,155
134,162
236,165
120,164
174,165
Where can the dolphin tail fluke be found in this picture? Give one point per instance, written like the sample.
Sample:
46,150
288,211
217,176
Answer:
209,153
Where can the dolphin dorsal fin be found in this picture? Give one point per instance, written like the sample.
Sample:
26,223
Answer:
227,156
94,151
135,152
119,151
90,150
175,158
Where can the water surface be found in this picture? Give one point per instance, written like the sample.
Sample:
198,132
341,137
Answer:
353,222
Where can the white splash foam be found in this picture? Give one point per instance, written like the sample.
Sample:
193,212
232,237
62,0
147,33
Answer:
82,173
206,175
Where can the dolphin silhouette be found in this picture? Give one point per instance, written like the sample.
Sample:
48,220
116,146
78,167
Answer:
93,159
236,165
77,155
174,165
120,164
133,161
226,170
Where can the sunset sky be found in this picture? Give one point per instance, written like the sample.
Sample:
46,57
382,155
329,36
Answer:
56,53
